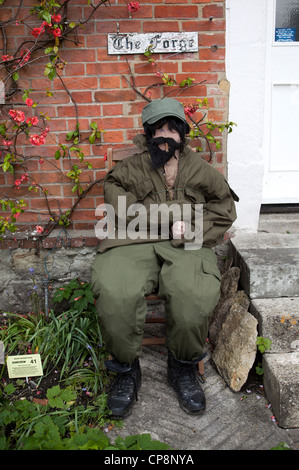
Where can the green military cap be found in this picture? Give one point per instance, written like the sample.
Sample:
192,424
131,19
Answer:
158,109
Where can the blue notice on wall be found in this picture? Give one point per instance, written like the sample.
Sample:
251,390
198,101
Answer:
285,34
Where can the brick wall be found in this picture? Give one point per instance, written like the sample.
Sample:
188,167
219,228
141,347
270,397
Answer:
97,83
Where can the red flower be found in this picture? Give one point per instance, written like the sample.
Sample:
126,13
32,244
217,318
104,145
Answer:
46,24
25,53
56,18
7,143
17,116
18,182
29,102
33,121
37,139
56,32
7,57
133,6
36,32
190,110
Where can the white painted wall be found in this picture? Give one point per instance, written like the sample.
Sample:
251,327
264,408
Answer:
245,69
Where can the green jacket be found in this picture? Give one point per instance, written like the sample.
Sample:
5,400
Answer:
197,182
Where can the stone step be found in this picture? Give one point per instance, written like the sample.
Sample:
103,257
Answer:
269,264
281,383
278,320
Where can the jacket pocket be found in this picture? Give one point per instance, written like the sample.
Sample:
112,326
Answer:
211,268
141,190
194,195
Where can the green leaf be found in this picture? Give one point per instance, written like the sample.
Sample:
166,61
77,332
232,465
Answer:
92,138
9,389
2,129
15,76
46,16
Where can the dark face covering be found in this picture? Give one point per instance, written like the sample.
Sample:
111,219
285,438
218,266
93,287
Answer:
160,157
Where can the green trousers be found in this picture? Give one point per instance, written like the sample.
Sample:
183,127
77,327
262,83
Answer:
188,281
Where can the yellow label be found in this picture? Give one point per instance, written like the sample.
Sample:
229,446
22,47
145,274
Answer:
28,365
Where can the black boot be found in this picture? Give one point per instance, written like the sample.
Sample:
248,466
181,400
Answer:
123,391
183,376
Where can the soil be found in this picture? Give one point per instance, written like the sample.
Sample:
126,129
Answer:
35,388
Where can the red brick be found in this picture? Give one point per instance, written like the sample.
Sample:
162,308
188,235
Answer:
82,97
8,244
77,242
110,82
209,54
92,241
117,95
213,10
78,225
210,39
204,25
112,109
161,26
107,68
177,11
81,55
77,83
113,136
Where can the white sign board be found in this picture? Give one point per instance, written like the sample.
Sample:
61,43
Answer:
24,366
135,43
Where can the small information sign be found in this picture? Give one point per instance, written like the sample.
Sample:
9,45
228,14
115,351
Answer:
28,365
138,43
285,34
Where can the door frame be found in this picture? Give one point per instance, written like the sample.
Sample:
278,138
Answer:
245,68
270,83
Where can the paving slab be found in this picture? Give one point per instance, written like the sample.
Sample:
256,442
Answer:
232,421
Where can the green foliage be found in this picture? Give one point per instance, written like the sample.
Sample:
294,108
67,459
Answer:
60,398
61,425
79,295
282,446
138,442
70,341
259,369
263,344
16,208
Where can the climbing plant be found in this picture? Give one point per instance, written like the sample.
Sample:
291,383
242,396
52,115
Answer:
49,24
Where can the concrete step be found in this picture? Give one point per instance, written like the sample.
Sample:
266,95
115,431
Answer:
269,274
281,382
278,320
279,223
269,264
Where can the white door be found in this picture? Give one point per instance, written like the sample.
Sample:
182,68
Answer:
281,175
